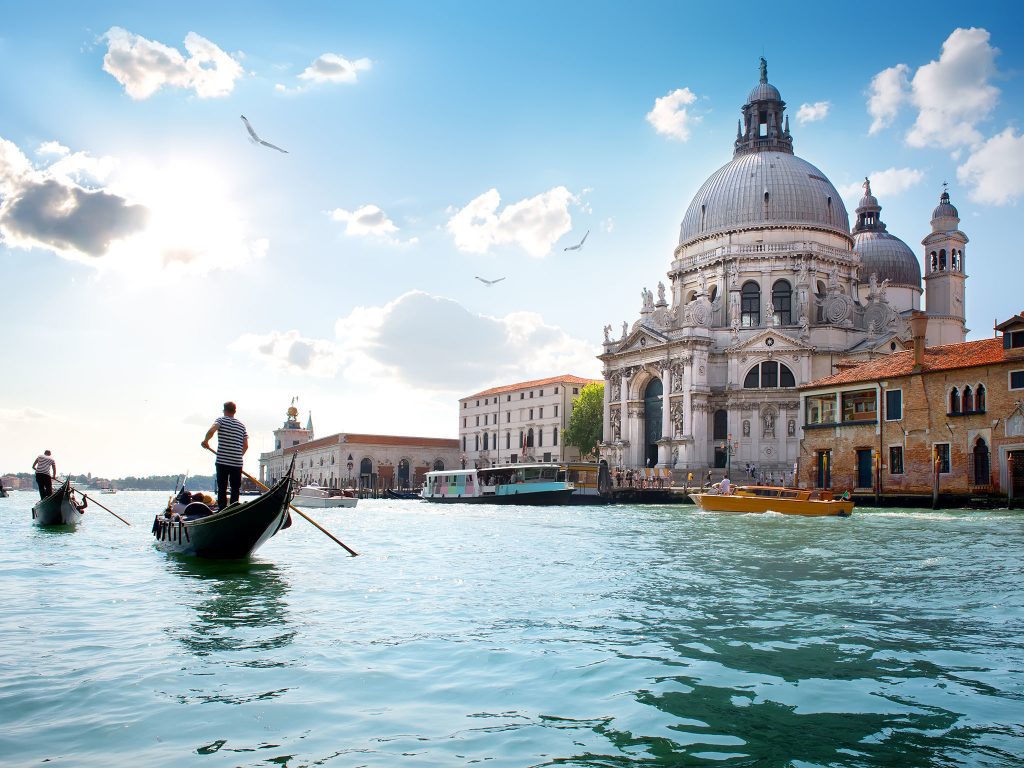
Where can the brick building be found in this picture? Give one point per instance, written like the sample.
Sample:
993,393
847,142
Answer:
894,425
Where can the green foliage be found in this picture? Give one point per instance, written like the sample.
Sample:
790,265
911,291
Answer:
586,420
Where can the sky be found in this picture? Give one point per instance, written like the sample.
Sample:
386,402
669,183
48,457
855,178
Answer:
156,262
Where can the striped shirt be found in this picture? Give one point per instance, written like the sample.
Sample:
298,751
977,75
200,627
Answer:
43,465
231,436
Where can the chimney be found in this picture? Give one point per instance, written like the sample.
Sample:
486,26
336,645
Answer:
918,329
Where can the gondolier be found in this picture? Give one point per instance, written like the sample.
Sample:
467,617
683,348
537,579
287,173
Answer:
46,470
232,443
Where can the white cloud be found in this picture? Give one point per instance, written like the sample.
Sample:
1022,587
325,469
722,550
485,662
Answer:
289,351
608,225
533,224
332,68
995,170
52,148
884,184
810,113
22,415
369,221
144,66
133,216
670,116
890,89
953,94
404,340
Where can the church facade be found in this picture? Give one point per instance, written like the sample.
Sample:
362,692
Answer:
768,289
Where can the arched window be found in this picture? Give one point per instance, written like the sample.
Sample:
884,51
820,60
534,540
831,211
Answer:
782,302
713,293
529,438
750,305
540,437
486,440
769,375
981,463
438,465
979,399
366,467
935,261
954,401
477,448
554,436
508,440
967,401
942,259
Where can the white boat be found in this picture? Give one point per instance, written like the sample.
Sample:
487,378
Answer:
536,484
317,496
109,490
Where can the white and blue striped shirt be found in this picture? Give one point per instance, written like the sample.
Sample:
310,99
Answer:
43,464
231,436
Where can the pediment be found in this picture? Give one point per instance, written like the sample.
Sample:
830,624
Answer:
642,338
770,340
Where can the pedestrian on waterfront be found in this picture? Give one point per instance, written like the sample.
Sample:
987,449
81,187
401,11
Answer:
708,480
232,443
46,470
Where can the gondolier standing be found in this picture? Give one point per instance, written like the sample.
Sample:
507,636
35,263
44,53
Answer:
232,443
46,471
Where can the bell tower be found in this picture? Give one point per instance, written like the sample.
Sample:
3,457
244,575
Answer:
945,275
291,432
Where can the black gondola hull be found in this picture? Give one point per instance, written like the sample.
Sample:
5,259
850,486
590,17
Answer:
233,533
57,509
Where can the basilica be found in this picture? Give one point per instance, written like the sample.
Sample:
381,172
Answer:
769,289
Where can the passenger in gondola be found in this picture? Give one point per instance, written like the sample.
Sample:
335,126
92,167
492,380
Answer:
80,507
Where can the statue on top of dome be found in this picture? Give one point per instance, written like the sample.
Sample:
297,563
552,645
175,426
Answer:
764,70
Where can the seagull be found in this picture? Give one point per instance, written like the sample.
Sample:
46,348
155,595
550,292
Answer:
489,283
578,245
257,139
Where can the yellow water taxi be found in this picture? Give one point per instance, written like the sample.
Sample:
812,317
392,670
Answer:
787,501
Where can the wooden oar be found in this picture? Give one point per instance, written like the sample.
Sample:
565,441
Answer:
302,514
90,498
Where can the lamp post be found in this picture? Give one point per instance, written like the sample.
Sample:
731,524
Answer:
462,458
349,464
728,447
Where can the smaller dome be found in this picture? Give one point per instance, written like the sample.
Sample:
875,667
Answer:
945,209
888,257
764,92
868,201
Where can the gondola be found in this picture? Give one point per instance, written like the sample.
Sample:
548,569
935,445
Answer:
58,508
234,532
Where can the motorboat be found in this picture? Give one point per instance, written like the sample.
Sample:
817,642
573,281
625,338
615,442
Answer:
813,502
322,498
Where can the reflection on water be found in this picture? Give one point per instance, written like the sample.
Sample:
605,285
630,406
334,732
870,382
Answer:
239,606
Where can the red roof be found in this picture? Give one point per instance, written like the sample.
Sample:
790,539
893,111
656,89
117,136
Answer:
967,354
565,379
354,439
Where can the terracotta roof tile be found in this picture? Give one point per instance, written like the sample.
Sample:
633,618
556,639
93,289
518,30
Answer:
967,354
565,379
350,438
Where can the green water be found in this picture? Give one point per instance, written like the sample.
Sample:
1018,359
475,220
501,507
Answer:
516,636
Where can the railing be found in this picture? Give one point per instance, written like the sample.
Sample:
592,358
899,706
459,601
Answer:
727,251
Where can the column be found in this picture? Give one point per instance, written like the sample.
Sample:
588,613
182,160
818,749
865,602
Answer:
665,449
607,432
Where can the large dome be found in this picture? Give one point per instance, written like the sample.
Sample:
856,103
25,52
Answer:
763,189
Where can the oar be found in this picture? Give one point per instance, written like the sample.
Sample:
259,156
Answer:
90,498
302,514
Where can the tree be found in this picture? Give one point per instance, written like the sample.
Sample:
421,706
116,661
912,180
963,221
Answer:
586,420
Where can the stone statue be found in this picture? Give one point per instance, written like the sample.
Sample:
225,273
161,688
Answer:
791,428
764,70
734,273
661,293
702,282
615,420
805,327
625,330
769,312
873,285
833,280
746,427
616,389
867,186
881,291
804,275
769,424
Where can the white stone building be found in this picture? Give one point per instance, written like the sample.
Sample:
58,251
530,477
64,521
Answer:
354,459
769,288
519,422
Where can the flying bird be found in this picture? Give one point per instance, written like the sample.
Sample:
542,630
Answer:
578,245
489,283
258,140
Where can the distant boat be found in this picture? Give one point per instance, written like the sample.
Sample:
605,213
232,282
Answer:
109,490
534,484
3,492
58,508
785,501
234,532
322,498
